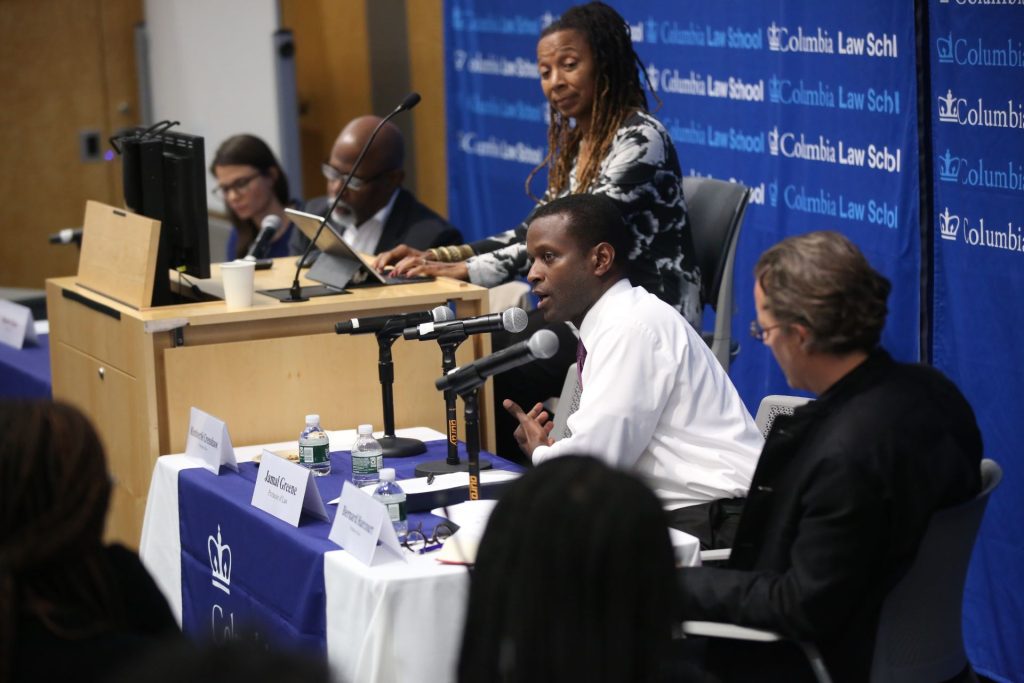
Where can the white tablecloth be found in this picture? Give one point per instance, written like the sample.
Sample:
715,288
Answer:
390,623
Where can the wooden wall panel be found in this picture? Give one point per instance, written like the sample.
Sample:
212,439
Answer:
337,82
426,57
332,71
59,62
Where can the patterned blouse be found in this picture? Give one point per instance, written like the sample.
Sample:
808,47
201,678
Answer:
641,174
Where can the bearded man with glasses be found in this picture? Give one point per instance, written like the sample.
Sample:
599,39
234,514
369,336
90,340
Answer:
375,212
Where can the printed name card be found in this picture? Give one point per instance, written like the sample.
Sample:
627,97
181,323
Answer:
360,523
285,489
208,441
16,325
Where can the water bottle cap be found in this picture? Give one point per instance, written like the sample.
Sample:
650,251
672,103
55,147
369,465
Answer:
387,474
366,429
312,419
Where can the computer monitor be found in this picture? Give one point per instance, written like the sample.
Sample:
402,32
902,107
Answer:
165,179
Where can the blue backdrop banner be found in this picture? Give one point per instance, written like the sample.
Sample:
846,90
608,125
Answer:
977,119
812,105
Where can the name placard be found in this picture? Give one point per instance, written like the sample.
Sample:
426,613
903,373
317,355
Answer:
208,440
16,325
360,523
285,489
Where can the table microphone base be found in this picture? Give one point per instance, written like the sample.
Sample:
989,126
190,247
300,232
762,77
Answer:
400,446
442,467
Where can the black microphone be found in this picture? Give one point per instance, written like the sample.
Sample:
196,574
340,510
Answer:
392,324
543,344
261,245
511,320
67,236
410,101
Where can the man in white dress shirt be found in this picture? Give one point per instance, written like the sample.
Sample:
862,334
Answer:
654,399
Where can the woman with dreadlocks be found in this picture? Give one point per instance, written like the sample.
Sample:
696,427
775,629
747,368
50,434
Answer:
601,140
70,607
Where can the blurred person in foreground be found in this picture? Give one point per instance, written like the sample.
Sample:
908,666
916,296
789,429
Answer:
71,608
573,582
845,487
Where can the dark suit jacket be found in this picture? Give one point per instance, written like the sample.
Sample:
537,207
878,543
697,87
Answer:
842,494
410,223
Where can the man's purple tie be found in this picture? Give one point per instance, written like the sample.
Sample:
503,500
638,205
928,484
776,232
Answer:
581,357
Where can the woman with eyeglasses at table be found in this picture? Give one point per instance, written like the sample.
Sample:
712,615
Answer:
253,186
71,608
573,581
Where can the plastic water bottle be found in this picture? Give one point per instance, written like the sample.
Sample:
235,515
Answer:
367,457
314,447
391,494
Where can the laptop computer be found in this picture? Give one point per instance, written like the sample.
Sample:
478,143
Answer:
339,265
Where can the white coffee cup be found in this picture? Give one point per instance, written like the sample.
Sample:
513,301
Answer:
239,278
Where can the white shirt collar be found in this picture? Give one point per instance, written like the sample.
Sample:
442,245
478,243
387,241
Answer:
590,320
366,236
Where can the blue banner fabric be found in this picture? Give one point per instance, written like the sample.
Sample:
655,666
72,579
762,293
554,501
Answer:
977,121
812,105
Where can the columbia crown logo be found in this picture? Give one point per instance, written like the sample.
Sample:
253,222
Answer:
774,37
774,89
949,225
948,109
949,167
652,75
220,562
944,48
773,141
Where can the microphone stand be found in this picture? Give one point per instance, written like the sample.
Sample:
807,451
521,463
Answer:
392,446
295,293
449,342
470,401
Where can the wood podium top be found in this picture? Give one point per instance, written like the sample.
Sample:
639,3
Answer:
360,299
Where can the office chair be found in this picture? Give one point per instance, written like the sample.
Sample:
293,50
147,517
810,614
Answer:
919,637
772,406
715,213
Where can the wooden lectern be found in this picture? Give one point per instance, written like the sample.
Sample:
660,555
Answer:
136,371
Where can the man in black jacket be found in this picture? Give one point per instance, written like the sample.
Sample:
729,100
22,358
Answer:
845,487
375,212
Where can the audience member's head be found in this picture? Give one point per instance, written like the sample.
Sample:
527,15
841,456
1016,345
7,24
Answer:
252,183
573,580
230,662
377,177
52,510
579,245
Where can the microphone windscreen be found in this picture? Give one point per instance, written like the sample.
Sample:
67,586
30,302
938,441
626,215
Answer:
514,319
410,101
442,314
543,344
271,221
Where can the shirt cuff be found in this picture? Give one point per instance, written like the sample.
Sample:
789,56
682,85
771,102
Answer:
542,453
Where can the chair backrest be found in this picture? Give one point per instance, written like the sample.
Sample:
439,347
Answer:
774,405
715,213
919,636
